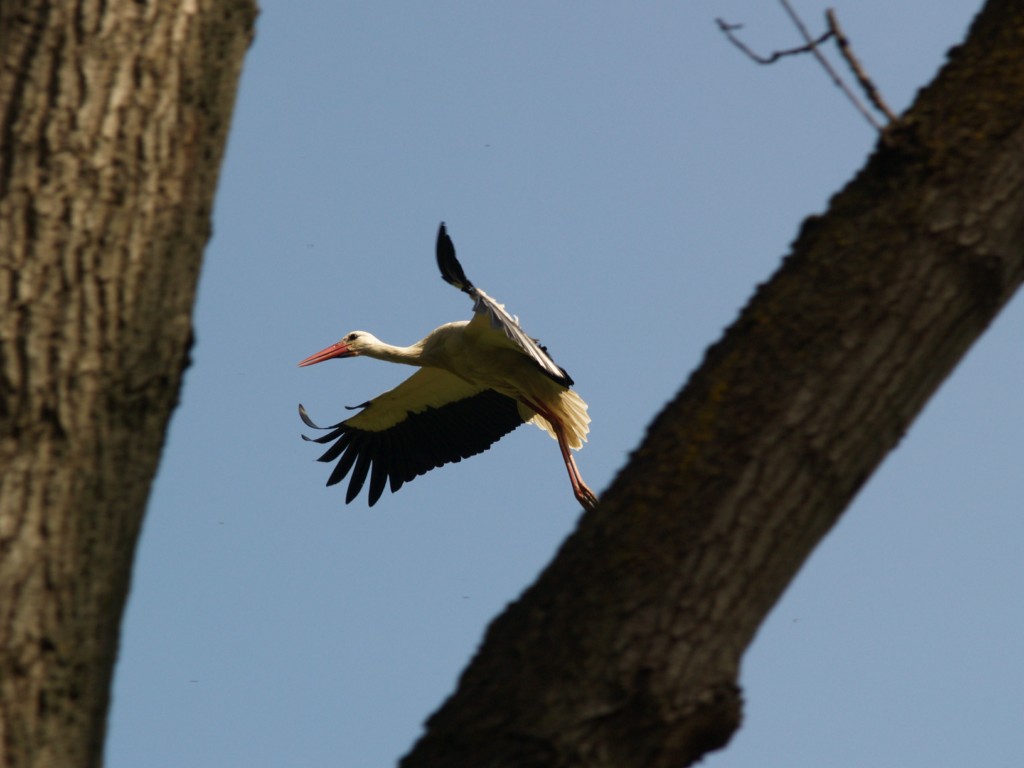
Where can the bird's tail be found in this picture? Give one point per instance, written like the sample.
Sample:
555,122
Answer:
572,412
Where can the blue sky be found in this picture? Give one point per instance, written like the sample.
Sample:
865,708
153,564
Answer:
621,178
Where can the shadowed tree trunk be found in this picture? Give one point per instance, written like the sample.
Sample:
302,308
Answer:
626,650
113,118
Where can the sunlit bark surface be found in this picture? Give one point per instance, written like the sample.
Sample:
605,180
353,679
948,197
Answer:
113,118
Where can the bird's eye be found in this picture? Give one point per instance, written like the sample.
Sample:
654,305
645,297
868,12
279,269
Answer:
351,337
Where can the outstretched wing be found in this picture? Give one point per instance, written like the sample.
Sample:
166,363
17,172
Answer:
431,419
488,311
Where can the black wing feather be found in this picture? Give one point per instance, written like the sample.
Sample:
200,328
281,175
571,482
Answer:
422,441
355,483
347,459
335,450
380,469
399,462
451,270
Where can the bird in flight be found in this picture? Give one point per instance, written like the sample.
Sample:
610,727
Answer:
478,380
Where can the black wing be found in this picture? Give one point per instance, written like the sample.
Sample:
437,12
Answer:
417,443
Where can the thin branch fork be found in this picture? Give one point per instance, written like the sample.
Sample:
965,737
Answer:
865,82
728,29
813,45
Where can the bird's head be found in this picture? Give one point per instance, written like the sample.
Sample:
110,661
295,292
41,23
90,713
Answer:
353,344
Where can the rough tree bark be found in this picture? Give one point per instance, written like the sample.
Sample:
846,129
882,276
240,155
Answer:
113,119
626,650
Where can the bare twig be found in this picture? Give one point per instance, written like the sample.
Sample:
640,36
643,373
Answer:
843,43
839,82
728,30
813,46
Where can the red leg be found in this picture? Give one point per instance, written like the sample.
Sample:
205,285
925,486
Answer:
580,489
586,497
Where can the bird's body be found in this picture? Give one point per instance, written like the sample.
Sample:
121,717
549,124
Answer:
478,380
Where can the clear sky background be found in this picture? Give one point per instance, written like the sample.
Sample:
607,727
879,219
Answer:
622,178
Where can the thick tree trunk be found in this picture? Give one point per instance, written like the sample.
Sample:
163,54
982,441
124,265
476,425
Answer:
113,118
626,651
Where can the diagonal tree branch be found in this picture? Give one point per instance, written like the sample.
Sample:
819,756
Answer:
625,651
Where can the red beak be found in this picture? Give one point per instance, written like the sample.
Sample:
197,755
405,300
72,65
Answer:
335,350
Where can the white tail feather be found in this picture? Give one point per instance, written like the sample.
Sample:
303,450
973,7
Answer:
572,412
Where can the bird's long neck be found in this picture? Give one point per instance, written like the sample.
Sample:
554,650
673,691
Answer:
413,355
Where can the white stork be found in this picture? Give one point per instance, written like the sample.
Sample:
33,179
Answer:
478,380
